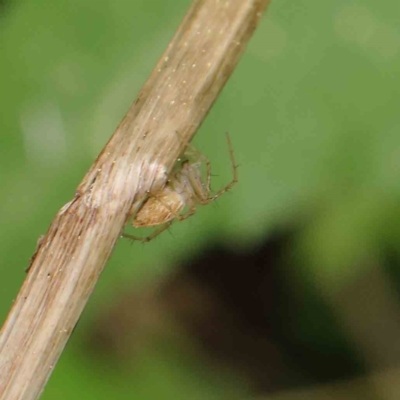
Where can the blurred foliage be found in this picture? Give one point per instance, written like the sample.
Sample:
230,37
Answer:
312,110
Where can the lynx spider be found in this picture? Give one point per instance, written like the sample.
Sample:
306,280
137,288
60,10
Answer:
184,188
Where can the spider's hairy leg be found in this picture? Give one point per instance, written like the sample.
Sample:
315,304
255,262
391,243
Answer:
234,175
189,213
199,155
146,239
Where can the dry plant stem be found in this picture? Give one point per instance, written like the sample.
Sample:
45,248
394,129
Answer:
136,161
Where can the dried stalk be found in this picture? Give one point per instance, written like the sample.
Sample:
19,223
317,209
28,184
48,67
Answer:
135,162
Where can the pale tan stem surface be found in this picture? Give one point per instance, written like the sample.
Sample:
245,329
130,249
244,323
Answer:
136,160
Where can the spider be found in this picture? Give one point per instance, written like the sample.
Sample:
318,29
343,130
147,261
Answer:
184,189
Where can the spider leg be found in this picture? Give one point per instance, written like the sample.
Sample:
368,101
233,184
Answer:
200,156
230,184
191,211
146,239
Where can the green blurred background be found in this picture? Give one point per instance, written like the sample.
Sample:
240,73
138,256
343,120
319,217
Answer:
313,114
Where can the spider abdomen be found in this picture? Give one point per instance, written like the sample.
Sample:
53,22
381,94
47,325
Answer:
159,209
